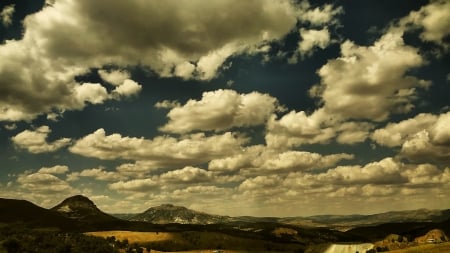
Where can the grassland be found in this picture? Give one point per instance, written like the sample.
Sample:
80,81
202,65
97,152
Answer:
195,241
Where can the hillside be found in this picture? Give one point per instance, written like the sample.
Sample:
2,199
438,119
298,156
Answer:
13,211
168,213
350,221
81,208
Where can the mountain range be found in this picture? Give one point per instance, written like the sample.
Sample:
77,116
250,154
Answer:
168,213
78,213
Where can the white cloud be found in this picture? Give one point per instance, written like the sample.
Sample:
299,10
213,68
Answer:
57,169
301,160
425,137
166,104
138,169
298,128
220,110
434,20
261,182
161,151
424,174
311,39
96,173
6,15
36,141
187,175
244,159
370,82
93,93
127,88
10,126
263,160
353,132
43,183
67,38
137,185
114,77
184,70
321,15
421,147
395,134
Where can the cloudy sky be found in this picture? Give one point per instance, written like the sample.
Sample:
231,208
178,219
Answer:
257,107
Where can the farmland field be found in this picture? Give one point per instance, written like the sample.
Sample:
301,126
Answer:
194,241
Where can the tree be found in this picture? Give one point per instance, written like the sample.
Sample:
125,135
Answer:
12,245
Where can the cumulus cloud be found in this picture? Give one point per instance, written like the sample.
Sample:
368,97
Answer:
301,160
424,137
187,175
220,110
43,183
114,77
320,15
295,128
433,19
6,15
35,141
97,174
395,134
166,104
127,88
421,147
136,185
298,128
317,35
66,39
261,182
244,159
57,169
376,175
259,159
311,39
10,126
161,151
138,169
370,77
93,93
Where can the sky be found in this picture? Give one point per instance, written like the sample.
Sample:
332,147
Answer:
256,107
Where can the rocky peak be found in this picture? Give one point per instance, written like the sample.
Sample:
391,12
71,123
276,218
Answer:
433,236
79,207
78,201
168,213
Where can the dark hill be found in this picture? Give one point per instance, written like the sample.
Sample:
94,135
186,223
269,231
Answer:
13,211
81,208
410,230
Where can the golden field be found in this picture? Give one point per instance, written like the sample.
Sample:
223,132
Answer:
195,241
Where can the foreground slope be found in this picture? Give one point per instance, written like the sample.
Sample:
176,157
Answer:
13,211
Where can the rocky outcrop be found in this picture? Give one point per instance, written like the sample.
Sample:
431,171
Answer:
433,236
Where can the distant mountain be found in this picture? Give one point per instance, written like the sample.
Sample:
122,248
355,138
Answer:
13,211
81,208
350,221
168,213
